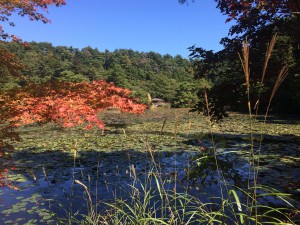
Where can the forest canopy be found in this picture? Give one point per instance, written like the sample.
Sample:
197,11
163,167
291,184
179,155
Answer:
163,76
177,80
256,21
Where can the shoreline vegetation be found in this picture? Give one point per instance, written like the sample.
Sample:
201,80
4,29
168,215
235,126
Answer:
64,159
167,166
58,171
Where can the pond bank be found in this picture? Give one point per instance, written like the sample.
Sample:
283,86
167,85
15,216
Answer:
49,159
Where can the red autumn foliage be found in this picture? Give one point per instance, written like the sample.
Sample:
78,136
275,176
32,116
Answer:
31,8
67,104
9,62
4,181
240,9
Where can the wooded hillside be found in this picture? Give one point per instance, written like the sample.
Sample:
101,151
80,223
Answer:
163,76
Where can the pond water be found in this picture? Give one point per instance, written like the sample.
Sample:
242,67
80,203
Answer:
49,160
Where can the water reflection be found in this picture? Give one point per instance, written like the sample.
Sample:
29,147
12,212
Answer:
46,178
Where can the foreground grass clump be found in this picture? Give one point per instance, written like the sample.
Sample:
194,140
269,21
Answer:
231,204
175,174
158,197
156,200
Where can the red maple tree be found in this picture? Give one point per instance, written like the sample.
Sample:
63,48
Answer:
64,103
240,9
32,8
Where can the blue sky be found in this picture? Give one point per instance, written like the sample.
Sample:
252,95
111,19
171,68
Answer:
163,26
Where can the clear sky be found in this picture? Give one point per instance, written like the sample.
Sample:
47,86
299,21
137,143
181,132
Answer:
163,26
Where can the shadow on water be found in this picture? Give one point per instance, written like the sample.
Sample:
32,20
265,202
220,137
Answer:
46,178
46,169
280,119
279,156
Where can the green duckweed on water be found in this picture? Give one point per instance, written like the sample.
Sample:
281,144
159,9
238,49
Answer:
49,158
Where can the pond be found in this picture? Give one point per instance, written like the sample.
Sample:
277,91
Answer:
49,160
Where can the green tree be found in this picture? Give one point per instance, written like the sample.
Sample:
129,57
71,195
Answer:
256,21
118,76
69,76
186,95
141,72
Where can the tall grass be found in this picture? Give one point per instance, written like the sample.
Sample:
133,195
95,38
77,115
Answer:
254,157
157,199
